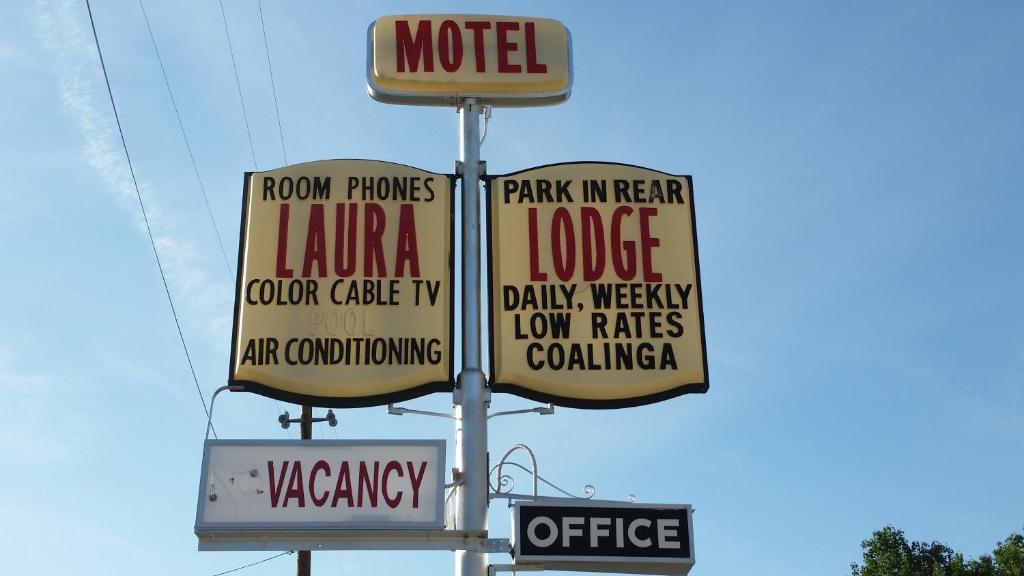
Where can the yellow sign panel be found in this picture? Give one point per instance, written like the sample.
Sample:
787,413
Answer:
595,285
438,58
344,284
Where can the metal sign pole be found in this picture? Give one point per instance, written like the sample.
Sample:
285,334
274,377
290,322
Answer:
471,396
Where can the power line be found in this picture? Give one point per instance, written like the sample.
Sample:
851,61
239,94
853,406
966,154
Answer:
254,563
145,217
195,168
273,85
188,146
277,112
238,83
245,116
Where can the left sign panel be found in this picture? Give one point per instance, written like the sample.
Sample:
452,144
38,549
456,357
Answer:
344,293
288,485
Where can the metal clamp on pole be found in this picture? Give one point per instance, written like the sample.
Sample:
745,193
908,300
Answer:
287,421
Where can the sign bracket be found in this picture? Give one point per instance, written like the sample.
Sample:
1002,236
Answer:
498,545
542,410
401,411
495,568
351,540
209,415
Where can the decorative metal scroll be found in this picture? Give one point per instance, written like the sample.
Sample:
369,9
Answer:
504,484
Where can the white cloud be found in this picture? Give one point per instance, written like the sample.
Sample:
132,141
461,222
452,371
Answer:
64,31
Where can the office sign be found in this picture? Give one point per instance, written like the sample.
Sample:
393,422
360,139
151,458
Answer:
603,537
344,294
595,285
438,59
267,486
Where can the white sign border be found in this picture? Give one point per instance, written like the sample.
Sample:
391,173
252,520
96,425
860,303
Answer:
205,528
553,560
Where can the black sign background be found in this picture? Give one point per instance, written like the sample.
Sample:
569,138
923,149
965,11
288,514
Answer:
580,545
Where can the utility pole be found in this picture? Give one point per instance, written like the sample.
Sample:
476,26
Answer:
303,562
471,395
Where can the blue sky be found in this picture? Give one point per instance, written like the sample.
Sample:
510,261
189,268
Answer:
859,209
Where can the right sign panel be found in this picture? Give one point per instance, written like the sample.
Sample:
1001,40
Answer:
595,295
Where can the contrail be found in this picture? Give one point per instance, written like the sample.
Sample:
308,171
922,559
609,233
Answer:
64,34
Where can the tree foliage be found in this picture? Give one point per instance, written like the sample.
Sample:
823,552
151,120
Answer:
888,553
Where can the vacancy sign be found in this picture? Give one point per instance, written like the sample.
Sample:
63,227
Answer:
269,487
603,537
440,58
595,285
344,294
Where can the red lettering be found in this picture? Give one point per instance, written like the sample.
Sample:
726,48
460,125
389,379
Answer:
535,272
478,28
391,466
374,220
346,242
275,487
295,486
564,258
416,480
343,488
593,244
365,486
407,250
532,66
563,243
320,466
505,46
316,243
647,243
414,50
626,270
449,46
283,271
341,245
